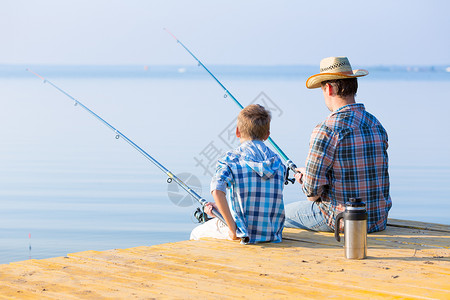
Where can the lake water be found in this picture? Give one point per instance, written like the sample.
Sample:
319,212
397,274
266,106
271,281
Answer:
68,185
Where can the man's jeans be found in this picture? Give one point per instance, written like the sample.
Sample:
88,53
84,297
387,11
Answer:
305,215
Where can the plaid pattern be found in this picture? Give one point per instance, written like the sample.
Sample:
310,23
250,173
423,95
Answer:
254,176
348,158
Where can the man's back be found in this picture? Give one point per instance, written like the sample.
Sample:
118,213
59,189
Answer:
354,163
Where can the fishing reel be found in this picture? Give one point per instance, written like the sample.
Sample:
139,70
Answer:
287,179
201,216
290,167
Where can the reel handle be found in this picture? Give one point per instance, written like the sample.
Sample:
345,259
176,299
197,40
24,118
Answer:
290,167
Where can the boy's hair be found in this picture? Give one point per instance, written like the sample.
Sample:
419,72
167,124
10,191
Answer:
254,122
344,87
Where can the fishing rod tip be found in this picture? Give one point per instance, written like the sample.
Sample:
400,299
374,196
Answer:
167,30
29,70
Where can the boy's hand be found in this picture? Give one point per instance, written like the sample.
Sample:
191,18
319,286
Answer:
208,209
232,234
299,175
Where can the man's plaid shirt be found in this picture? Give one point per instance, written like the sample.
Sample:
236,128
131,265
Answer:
254,176
348,158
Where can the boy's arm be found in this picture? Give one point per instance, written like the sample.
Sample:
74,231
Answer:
222,204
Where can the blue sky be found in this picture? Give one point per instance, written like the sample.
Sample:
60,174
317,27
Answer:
103,32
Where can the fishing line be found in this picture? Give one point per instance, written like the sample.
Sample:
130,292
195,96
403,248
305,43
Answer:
291,166
118,134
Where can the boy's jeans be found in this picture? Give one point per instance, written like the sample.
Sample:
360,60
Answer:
305,215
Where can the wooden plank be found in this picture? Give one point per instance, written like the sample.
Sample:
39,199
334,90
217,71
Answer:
392,237
402,263
418,225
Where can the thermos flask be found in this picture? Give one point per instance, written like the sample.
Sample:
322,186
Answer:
355,229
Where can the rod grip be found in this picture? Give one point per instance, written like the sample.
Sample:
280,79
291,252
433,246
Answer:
216,213
291,166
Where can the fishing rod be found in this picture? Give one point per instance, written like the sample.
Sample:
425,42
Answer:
119,134
289,162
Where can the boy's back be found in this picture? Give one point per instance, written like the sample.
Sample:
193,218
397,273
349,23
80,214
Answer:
255,176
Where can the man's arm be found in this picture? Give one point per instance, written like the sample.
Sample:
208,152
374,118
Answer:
299,177
319,162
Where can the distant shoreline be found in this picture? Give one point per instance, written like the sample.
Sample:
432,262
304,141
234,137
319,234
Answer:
193,71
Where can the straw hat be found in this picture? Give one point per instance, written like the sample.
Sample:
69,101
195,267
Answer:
332,68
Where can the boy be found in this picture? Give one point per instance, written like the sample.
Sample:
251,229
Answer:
254,176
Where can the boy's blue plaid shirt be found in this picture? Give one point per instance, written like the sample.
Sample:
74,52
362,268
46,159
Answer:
348,158
254,176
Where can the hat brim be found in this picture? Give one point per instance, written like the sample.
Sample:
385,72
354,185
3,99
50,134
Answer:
315,81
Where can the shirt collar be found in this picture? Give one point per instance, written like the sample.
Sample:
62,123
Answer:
248,143
353,106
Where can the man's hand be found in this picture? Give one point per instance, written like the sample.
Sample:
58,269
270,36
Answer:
299,175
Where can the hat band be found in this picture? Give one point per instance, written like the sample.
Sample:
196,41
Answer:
335,66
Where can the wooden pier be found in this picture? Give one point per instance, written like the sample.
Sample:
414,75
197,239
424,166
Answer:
407,260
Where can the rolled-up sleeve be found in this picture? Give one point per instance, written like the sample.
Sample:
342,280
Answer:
319,161
222,178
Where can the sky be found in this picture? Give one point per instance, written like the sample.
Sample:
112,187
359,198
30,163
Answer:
233,32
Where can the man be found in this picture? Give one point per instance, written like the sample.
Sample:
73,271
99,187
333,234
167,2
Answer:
347,156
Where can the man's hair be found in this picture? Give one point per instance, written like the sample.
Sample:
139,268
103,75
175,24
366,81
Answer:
254,122
344,87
